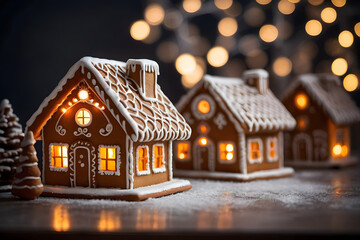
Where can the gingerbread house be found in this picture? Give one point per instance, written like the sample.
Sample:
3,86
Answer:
237,127
107,131
323,111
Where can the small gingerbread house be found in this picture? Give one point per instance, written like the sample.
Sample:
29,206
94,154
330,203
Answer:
107,132
237,130
324,112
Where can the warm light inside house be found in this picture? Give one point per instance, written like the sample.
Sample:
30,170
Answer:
268,33
204,106
227,26
346,39
344,151
282,66
203,141
351,82
217,56
107,159
191,6
154,14
203,129
70,103
223,4
255,150
143,159
328,15
226,151
158,156
301,101
75,100
313,27
59,156
83,94
339,66
63,110
185,63
301,123
61,222
336,150
83,117
286,7
338,3
139,30
272,148
96,104
183,150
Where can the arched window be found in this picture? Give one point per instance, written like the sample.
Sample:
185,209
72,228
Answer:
83,117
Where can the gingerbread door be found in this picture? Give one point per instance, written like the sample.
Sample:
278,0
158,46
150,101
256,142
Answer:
302,147
204,157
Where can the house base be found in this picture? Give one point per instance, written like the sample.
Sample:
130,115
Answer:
238,177
327,164
138,194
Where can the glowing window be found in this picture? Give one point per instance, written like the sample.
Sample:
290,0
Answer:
203,141
183,151
340,149
143,159
83,117
255,150
158,156
203,128
204,106
108,159
59,156
301,123
272,149
226,151
301,101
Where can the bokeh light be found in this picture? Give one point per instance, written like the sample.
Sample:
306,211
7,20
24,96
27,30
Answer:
282,66
328,15
338,3
191,6
154,14
254,16
263,2
357,29
189,80
313,27
139,30
173,19
227,26
185,63
315,2
167,51
154,34
351,82
339,66
217,56
294,1
223,4
346,39
268,33
286,7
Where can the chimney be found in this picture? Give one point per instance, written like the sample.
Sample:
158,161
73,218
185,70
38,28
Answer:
144,72
257,78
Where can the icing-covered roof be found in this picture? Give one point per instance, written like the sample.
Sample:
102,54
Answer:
326,90
149,119
258,112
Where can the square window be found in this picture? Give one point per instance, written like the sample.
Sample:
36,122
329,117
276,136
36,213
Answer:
143,159
107,158
59,156
226,152
255,150
183,151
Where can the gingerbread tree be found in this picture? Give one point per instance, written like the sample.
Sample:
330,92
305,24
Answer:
27,183
10,137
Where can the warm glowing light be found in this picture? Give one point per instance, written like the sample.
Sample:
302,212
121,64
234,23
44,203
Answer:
204,106
217,56
282,66
229,147
191,6
226,151
185,63
338,3
154,14
339,66
203,141
109,221
286,7
189,80
301,123
346,39
229,156
61,222
96,104
143,159
328,15
301,101
74,100
139,30
102,108
227,26
223,4
294,1
83,117
181,155
158,156
83,94
203,129
268,33
183,150
357,29
59,156
337,150
344,151
63,110
70,103
313,27
351,82
263,2
315,2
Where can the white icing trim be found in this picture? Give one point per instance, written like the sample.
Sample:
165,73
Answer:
219,152
163,168
117,161
58,169
242,152
194,106
91,117
19,180
147,171
19,168
177,151
170,160
260,159
82,131
281,149
27,186
276,149
130,163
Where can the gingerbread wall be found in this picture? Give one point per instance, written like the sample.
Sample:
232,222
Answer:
83,141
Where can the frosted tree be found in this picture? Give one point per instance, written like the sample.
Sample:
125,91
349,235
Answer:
10,137
27,183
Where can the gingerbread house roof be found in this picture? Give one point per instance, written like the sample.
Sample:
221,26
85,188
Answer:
145,119
326,90
254,110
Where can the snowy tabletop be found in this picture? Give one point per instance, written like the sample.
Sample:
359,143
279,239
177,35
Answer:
312,202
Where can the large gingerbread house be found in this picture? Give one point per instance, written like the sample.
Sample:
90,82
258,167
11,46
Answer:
324,112
107,132
237,127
